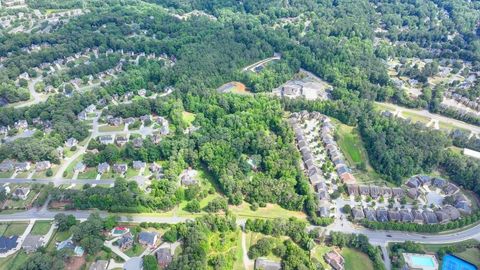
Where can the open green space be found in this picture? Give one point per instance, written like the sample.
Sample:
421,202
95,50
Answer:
416,117
13,262
356,260
90,173
41,227
6,174
351,144
188,117
135,250
16,228
319,252
108,128
225,245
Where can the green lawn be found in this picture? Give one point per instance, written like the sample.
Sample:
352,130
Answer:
108,128
225,245
356,260
351,144
188,117
270,211
16,204
57,237
90,173
13,262
15,229
135,251
41,227
319,251
6,174
471,255
416,117
3,227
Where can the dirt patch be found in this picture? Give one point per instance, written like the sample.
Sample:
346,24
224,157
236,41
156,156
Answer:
58,205
75,263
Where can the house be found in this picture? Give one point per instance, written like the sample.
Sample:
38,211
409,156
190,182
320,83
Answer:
155,168
99,265
398,192
146,117
148,239
335,260
424,180
8,243
137,165
394,215
188,177
413,182
6,166
156,138
406,215
67,244
22,166
4,130
452,212
32,243
71,142
106,139
464,207
129,121
103,168
164,257
91,108
386,192
442,216
417,217
450,189
120,168
21,193
115,121
82,116
126,241
429,217
348,178
80,167
382,215
357,213
374,192
323,211
137,142
412,193
352,190
439,182
364,190
117,231
21,124
121,140
370,214
43,165
264,264
142,92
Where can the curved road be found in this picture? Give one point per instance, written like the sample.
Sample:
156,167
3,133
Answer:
376,237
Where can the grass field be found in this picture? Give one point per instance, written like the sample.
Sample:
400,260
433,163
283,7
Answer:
351,144
13,262
225,245
416,117
135,251
188,117
6,174
15,229
57,237
90,173
270,211
356,260
318,252
471,255
41,227
3,227
108,128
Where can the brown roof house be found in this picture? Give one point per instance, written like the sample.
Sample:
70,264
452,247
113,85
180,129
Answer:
335,260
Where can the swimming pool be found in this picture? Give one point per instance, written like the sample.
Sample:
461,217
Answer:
422,261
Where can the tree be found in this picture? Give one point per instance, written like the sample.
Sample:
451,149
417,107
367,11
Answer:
150,262
64,222
193,206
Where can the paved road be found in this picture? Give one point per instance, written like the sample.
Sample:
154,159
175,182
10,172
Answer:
57,181
437,117
261,62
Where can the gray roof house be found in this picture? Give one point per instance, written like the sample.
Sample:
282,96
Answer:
364,190
137,142
6,166
398,192
406,215
264,264
450,189
370,214
417,216
43,165
453,212
99,265
429,217
164,257
106,139
413,182
439,182
21,193
148,238
374,191
125,241
442,216
32,243
352,190
382,215
357,213
412,193
137,164
120,168
394,215
103,168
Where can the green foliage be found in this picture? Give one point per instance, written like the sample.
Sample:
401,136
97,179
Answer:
150,262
